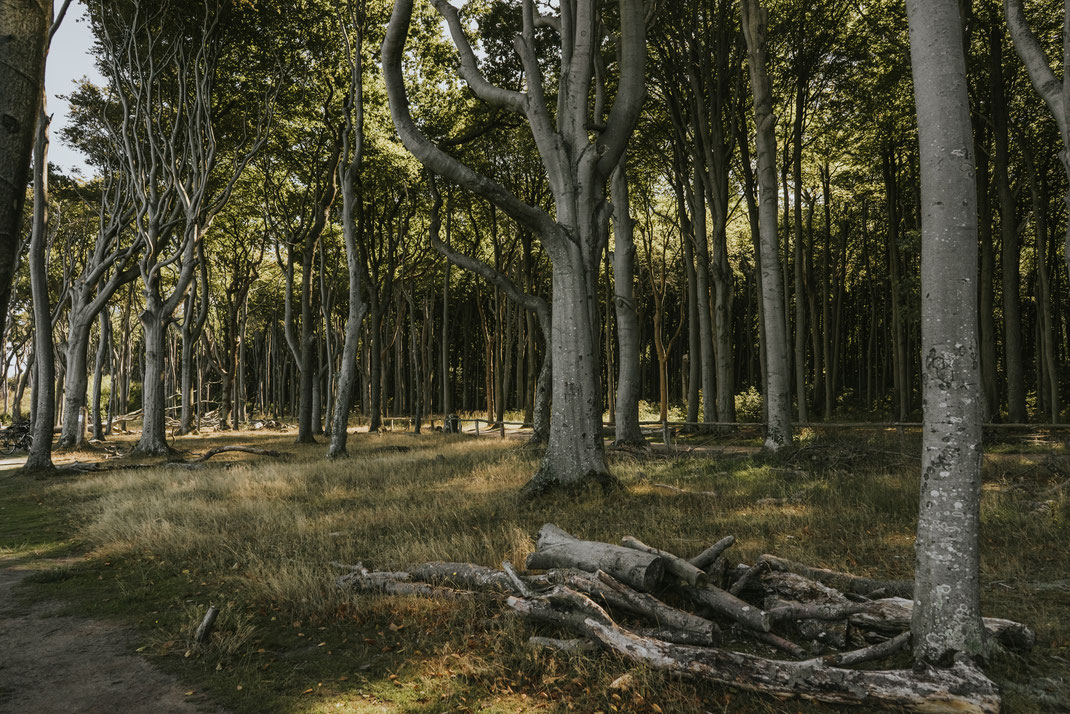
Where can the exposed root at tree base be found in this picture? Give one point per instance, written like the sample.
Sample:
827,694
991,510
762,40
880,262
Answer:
546,481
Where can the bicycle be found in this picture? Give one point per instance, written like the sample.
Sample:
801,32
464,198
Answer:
15,437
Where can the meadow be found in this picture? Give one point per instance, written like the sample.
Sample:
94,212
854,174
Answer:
154,546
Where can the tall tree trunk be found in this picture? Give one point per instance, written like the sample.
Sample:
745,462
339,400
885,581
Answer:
24,25
986,309
799,260
353,150
947,607
153,398
44,395
777,392
627,411
103,353
1008,230
705,316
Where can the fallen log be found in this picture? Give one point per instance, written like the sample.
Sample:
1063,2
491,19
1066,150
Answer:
467,575
843,582
881,650
776,641
605,588
728,605
679,567
707,557
894,614
558,549
960,688
399,584
239,449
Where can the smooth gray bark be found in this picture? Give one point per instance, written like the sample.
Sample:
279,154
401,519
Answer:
628,381
44,394
777,391
102,360
947,610
577,168
353,151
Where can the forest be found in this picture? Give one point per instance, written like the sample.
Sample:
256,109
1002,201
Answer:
355,307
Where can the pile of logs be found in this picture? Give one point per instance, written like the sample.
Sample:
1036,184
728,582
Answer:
678,615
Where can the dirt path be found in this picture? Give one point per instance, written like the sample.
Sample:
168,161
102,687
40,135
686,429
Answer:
57,664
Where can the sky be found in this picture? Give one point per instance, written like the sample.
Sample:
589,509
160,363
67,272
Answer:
69,59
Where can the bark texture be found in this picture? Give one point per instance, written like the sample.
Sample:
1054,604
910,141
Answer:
775,341
24,29
947,611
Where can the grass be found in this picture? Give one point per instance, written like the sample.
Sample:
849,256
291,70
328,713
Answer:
256,537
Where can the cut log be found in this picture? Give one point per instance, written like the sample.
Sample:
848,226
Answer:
706,558
843,582
604,588
728,605
558,549
960,688
676,565
894,614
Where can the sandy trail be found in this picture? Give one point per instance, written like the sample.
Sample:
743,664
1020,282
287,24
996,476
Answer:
57,664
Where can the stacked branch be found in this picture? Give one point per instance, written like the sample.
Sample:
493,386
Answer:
678,615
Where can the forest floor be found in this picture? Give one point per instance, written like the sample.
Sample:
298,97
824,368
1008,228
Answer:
133,558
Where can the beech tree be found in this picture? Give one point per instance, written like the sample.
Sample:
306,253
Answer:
578,169
947,590
24,25
778,379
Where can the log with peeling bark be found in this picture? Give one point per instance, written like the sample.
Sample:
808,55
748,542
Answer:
673,564
960,688
843,582
400,583
557,549
467,575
